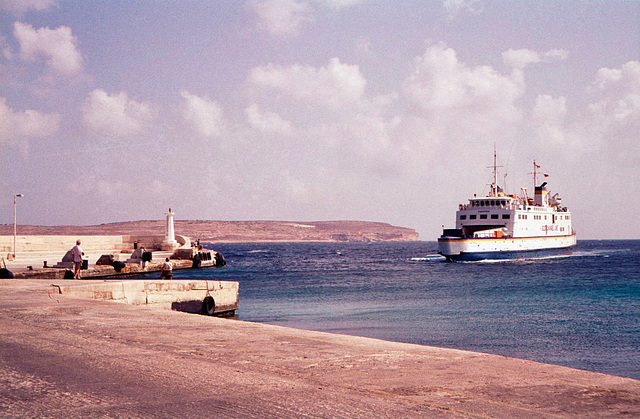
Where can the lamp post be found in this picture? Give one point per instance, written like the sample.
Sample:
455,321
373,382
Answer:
15,200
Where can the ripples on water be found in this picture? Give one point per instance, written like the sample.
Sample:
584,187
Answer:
581,311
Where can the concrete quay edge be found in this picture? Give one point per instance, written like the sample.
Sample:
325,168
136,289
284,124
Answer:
181,295
62,357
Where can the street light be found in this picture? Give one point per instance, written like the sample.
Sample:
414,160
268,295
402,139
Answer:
15,199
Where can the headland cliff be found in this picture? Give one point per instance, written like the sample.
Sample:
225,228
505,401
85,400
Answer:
238,231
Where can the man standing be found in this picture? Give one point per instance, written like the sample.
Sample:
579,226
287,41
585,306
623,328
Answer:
77,253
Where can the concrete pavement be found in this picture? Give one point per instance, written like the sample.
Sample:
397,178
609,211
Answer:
63,357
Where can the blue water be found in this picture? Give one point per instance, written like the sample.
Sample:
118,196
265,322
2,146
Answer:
581,311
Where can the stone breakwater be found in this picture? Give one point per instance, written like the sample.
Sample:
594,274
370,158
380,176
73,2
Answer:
100,271
41,256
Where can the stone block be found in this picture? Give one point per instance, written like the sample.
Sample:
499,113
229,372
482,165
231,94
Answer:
105,260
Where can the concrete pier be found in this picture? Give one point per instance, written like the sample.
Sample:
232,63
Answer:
64,357
210,297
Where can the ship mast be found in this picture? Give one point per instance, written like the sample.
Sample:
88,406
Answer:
535,174
495,170
494,185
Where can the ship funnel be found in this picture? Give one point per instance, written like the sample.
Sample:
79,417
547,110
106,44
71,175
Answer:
540,197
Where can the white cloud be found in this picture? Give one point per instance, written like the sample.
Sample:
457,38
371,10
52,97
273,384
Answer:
520,58
457,7
56,46
441,81
16,127
267,122
282,17
332,86
21,6
618,81
614,117
204,115
452,108
116,114
549,117
341,4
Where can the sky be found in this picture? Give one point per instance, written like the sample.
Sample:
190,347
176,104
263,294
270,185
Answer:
317,110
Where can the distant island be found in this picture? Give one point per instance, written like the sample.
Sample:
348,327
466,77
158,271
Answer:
238,231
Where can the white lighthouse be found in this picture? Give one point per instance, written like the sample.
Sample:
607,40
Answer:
169,242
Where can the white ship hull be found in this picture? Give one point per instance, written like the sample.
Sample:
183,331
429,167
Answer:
474,249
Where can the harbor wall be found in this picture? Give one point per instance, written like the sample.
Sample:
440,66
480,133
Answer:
90,244
180,295
41,244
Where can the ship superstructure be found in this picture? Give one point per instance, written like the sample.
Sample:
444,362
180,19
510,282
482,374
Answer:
501,226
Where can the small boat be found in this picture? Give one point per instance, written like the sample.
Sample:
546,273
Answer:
501,226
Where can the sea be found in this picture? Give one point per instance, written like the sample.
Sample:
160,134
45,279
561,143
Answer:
580,311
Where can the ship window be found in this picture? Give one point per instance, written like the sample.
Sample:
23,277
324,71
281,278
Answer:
482,203
494,216
483,216
463,217
493,203
506,216
472,217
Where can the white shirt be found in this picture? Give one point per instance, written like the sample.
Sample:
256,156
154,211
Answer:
76,252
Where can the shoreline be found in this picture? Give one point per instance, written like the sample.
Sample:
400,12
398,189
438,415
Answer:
95,358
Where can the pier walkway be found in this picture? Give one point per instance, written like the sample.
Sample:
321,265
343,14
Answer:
63,357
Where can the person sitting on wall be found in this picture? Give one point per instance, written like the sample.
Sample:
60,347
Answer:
166,270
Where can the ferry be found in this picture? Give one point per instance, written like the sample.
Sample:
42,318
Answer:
501,226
